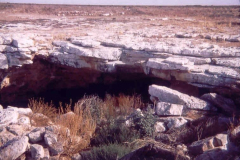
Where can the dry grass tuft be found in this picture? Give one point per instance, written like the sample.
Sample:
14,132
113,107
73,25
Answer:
81,126
43,113
39,106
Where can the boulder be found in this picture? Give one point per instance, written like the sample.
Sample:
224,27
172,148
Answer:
18,59
227,105
55,148
175,122
24,121
37,151
21,42
166,109
22,111
3,61
46,154
50,138
159,127
165,94
5,136
235,135
15,129
6,40
218,153
36,135
14,148
10,49
201,146
8,116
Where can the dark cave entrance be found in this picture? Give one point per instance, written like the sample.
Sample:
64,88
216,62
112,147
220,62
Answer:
137,86
56,83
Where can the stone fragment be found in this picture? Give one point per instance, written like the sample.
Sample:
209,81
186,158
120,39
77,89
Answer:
59,43
159,127
55,148
21,42
86,43
224,72
16,129
36,135
37,151
14,148
228,62
175,122
170,64
6,40
235,38
201,146
22,111
46,154
24,120
5,136
235,134
10,49
166,109
7,117
50,138
227,105
71,60
3,61
165,94
101,53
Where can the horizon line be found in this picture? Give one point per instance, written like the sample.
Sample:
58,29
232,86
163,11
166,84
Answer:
117,4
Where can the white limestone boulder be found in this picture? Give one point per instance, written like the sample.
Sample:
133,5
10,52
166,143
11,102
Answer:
165,94
8,116
14,148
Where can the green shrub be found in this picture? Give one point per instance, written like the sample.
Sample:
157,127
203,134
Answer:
144,123
114,131
107,152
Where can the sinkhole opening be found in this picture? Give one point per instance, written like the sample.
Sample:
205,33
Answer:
138,86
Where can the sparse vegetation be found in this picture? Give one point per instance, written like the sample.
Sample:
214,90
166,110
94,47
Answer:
93,122
107,152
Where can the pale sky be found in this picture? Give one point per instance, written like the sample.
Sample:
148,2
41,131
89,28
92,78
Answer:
130,2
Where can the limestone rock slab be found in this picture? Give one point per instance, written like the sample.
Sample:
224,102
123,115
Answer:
165,94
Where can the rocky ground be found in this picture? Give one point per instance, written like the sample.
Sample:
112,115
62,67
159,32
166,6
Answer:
196,50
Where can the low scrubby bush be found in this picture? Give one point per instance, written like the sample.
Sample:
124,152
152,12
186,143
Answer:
144,123
107,152
114,131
